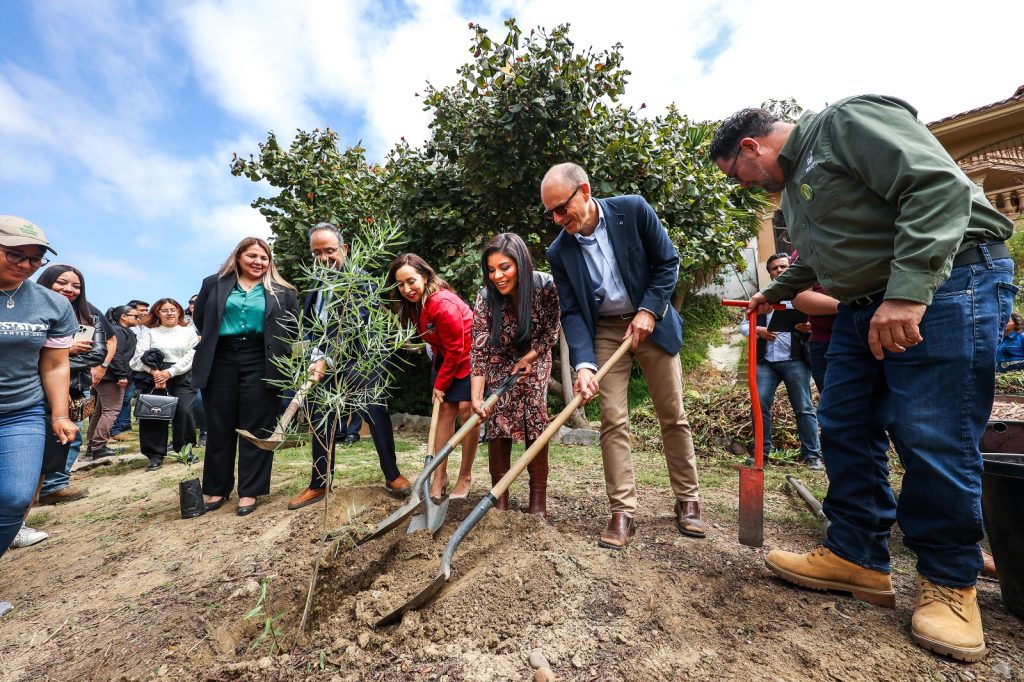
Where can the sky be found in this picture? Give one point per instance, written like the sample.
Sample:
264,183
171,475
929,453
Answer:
118,119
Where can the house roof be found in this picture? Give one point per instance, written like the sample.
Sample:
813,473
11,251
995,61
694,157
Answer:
1018,95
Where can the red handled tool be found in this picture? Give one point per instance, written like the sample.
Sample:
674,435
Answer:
752,478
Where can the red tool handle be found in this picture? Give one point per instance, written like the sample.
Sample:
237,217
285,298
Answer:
755,400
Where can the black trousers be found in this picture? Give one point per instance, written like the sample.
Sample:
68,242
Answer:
237,396
153,433
382,431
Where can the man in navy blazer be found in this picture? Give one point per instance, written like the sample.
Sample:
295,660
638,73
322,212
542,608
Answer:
616,270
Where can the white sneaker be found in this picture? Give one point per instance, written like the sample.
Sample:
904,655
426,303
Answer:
27,537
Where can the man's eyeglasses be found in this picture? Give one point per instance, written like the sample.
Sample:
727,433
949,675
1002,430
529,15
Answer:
330,251
562,207
733,166
15,258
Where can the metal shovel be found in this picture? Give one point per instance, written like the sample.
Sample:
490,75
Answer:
497,491
432,516
417,494
278,439
810,500
752,478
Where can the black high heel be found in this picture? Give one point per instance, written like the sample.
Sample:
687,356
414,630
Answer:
214,506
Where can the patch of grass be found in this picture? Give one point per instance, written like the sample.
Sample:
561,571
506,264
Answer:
43,517
703,317
116,469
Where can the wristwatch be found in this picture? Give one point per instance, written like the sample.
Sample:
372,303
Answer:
104,364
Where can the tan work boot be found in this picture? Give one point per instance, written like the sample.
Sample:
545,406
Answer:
820,569
947,621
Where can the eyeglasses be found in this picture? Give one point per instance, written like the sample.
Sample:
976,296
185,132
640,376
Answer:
562,207
15,258
329,251
733,166
135,315
172,311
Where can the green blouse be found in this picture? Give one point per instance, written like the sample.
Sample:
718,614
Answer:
243,312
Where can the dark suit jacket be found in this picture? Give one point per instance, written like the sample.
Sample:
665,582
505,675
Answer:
649,266
210,311
364,314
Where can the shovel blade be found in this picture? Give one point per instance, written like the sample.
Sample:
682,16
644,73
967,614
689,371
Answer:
393,521
419,522
751,506
436,514
417,601
270,444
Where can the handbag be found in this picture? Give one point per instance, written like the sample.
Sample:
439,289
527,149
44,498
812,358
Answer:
81,408
155,407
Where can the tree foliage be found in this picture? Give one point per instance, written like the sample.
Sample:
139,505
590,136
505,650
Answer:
518,106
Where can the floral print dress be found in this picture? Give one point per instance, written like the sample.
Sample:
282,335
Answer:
522,413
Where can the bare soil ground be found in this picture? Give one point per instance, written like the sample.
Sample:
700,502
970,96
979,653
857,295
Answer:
126,590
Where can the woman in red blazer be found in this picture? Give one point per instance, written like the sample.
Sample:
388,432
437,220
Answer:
445,322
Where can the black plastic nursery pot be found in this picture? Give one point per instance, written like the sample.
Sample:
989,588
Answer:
1002,499
190,497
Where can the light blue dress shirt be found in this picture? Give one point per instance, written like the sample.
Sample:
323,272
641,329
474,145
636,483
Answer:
609,289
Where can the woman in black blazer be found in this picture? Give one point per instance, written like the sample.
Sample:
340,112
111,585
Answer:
241,314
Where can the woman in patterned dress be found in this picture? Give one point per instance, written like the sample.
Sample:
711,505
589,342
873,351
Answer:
515,324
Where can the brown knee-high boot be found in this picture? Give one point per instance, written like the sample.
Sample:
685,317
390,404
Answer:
538,470
499,461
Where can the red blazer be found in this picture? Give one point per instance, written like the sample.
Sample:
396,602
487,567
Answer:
446,323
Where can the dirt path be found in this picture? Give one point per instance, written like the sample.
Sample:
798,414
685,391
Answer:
124,590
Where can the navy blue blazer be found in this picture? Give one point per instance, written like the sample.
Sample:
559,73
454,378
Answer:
648,263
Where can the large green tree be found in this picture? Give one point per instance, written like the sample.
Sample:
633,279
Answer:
518,106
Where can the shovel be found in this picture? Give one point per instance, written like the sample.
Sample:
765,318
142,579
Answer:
752,478
432,516
810,500
497,491
418,488
277,438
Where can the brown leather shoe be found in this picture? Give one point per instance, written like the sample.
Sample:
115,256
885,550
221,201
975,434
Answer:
398,486
68,494
306,498
688,521
617,533
820,569
988,565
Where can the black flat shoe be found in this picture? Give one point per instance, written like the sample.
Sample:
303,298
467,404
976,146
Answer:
154,464
246,510
214,506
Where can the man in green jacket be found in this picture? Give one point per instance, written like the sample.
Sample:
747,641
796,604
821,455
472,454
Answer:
887,223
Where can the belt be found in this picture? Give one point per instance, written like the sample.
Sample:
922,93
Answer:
970,256
974,255
236,341
624,316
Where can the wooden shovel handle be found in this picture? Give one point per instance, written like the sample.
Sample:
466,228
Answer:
293,407
432,435
520,465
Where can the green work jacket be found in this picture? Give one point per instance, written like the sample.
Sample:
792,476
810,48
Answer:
875,204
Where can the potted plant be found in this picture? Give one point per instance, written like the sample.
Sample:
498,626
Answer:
190,490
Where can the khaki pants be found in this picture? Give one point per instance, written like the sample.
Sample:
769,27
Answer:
664,380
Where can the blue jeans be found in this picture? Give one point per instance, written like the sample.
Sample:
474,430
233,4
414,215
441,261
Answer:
22,437
816,359
797,377
58,480
124,419
933,401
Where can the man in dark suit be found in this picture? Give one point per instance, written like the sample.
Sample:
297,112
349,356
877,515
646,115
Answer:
616,269
327,245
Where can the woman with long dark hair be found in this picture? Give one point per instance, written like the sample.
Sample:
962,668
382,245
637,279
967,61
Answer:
90,358
169,370
445,322
515,324
241,312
